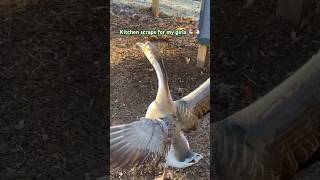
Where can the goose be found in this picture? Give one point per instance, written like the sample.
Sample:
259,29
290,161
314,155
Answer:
192,107
187,110
270,138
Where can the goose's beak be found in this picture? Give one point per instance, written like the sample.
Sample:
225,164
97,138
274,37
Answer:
139,45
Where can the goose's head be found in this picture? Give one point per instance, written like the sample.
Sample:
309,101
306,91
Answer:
151,52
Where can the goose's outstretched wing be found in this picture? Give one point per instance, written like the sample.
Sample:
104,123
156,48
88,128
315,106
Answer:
133,143
233,152
193,106
250,156
199,99
270,138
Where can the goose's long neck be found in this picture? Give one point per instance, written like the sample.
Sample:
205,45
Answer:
163,94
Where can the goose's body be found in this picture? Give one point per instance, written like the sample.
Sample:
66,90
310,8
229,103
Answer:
132,143
269,139
180,154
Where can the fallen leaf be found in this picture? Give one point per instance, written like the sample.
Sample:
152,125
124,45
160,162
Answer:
188,60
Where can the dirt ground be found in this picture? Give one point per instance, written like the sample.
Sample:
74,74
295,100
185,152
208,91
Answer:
133,81
254,52
178,8
53,91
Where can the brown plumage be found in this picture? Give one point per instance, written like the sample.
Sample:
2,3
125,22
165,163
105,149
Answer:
271,137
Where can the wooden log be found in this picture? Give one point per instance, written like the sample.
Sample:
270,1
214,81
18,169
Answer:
202,54
155,7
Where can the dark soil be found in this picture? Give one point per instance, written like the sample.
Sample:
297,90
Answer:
53,91
133,81
254,52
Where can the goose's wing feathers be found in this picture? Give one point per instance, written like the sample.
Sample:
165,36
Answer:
133,143
199,100
233,152
310,173
298,142
249,157
281,130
